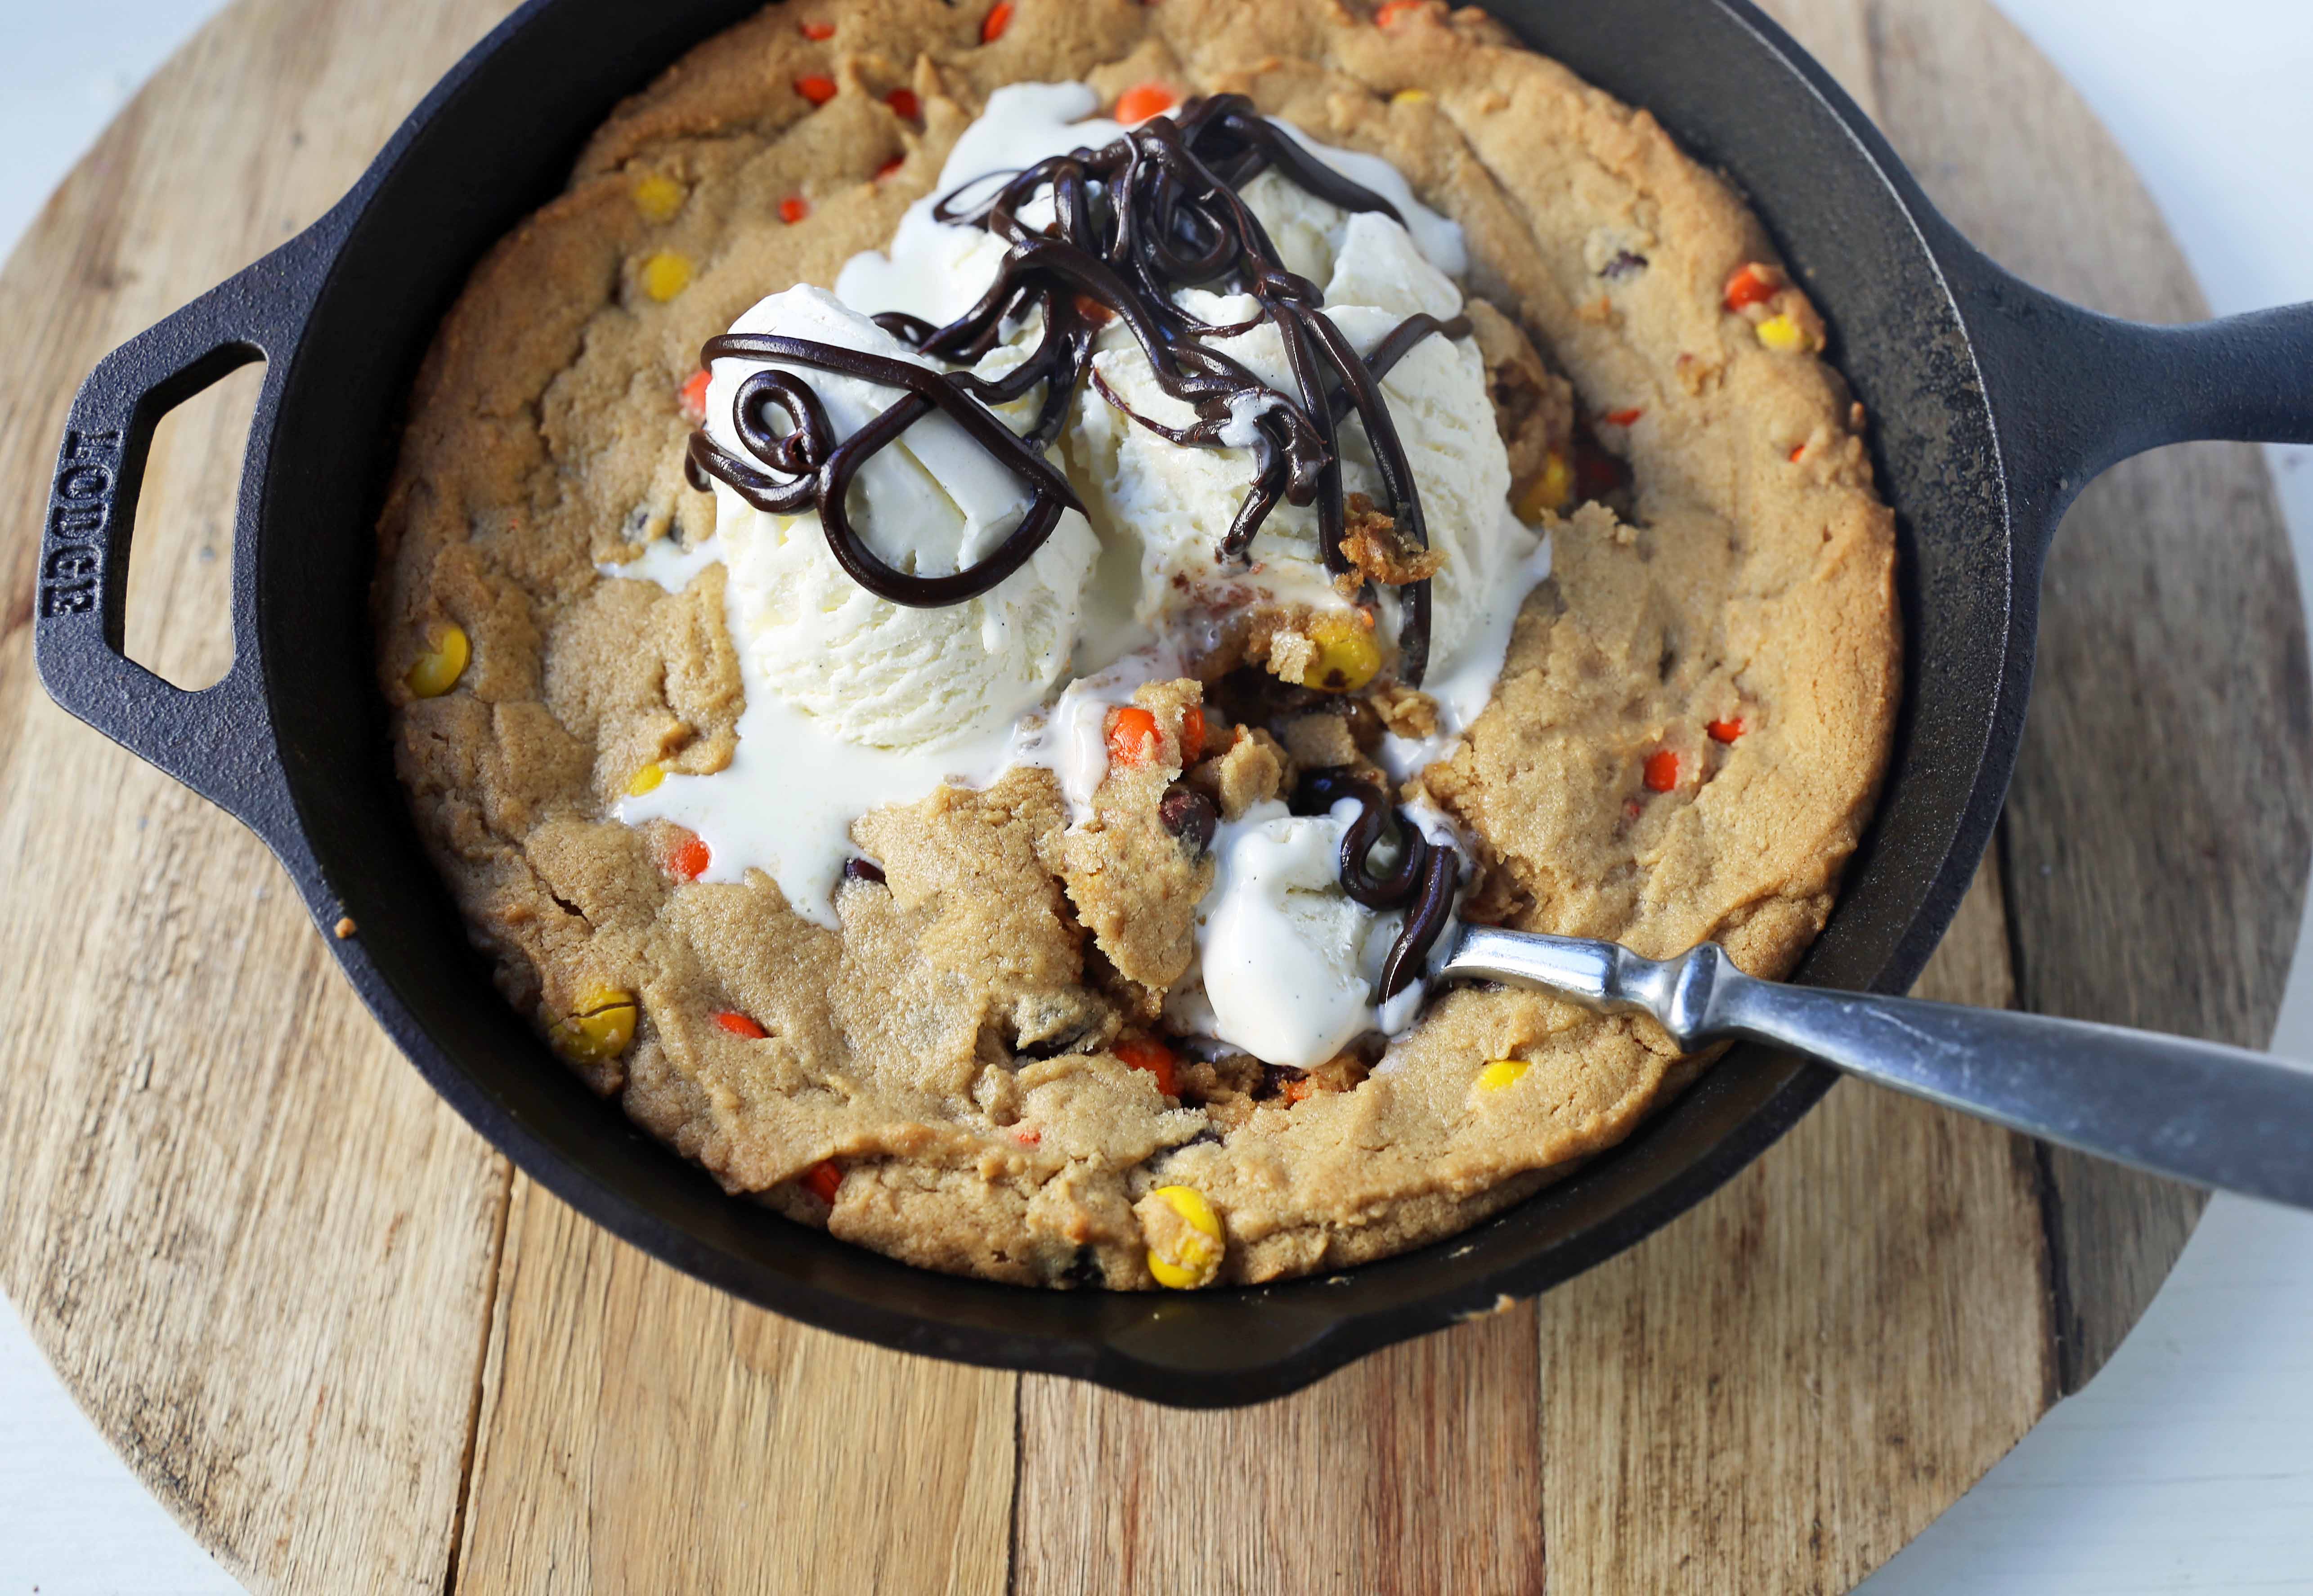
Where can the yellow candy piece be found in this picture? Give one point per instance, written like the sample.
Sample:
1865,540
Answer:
438,669
1501,1073
665,275
601,1029
1200,1251
1411,97
1348,657
659,197
1547,494
1782,334
647,778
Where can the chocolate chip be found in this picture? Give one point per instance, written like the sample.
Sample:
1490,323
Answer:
1276,1077
1624,264
1084,1271
862,870
1322,787
1055,1047
1188,814
1206,1138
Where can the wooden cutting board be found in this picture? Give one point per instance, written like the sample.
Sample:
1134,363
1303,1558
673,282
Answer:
354,1351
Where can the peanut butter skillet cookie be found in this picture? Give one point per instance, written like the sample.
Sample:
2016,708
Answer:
965,609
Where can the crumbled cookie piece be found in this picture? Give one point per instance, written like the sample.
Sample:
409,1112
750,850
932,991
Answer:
1342,1072
1379,551
1290,654
1268,636
1253,769
1318,742
1135,886
1406,712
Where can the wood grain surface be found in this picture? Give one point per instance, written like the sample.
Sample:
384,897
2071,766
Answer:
2155,837
253,1243
642,1432
352,1350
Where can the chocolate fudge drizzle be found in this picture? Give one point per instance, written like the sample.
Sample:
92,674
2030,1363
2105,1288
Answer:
1421,882
1155,211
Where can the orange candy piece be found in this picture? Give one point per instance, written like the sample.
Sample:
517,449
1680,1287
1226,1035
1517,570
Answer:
1192,735
694,398
1153,1056
1726,731
687,857
738,1024
819,91
1749,287
1132,736
1662,770
825,1179
888,167
998,21
903,102
1623,417
1144,101
793,208
1388,14
819,33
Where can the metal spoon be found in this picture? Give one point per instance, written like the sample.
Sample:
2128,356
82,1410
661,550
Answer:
2205,1113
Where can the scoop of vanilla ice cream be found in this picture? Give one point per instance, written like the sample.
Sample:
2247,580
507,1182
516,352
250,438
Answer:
1438,238
866,669
1376,267
1287,960
937,270
1357,257
1174,504
1303,228
1178,501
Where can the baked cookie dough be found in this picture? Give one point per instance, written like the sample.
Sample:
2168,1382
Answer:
971,1073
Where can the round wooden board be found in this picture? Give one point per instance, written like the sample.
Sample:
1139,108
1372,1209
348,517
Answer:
352,1350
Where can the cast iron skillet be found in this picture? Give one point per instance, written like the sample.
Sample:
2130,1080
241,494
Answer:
1991,403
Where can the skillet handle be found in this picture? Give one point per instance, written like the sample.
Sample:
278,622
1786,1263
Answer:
2076,392
218,740
2195,1110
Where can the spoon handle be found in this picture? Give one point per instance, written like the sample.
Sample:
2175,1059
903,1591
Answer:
2199,1112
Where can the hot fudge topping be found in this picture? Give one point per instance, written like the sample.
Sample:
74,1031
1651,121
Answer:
1128,227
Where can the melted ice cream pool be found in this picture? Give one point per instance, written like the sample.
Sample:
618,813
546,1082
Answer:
853,704
1287,963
